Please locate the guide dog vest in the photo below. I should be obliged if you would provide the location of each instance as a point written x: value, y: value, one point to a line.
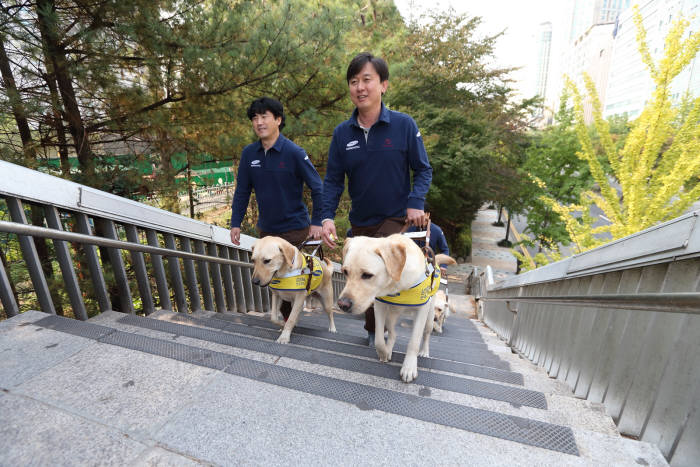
x: 298, y: 278
x: 417, y: 295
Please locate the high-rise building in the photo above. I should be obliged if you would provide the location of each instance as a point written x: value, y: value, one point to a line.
x: 588, y: 45
x: 629, y: 83
x: 582, y: 14
x: 545, y: 47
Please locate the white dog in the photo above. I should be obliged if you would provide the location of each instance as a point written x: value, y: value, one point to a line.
x: 443, y: 309
x: 280, y: 265
x: 384, y: 271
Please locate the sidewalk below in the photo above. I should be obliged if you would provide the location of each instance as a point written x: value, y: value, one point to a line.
x: 485, y: 250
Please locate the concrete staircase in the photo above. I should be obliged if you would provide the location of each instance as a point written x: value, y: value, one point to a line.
x: 173, y: 389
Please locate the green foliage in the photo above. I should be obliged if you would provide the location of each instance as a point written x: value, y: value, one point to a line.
x: 551, y: 158
x: 156, y: 80
x: 656, y: 168
x: 472, y: 131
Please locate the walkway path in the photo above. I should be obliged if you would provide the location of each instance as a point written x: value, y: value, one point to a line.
x: 485, y: 250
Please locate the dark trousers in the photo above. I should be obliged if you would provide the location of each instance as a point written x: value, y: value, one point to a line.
x: 388, y: 226
x: 296, y: 238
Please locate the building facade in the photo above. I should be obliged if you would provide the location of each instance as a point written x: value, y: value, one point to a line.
x: 629, y: 82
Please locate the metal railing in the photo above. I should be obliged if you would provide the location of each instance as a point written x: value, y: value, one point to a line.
x: 110, y: 253
x: 620, y: 325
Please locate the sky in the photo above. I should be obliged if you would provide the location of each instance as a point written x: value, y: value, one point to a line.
x: 519, y: 18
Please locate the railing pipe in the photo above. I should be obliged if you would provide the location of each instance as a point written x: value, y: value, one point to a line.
x: 36, y: 231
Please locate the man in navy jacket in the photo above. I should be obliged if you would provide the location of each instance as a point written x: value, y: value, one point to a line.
x: 276, y: 169
x: 377, y: 149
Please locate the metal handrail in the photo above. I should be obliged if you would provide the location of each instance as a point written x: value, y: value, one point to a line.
x: 687, y: 302
x: 36, y: 231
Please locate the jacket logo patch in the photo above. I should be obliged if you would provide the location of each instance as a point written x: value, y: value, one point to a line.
x: 255, y: 163
x: 355, y: 144
x: 387, y: 143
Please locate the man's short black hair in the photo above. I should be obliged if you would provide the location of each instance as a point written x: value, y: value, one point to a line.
x: 364, y: 58
x: 262, y: 105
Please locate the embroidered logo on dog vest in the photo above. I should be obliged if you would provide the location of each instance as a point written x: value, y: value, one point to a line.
x: 297, y: 279
x: 417, y: 295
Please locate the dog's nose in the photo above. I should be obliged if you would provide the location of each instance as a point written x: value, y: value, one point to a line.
x: 256, y: 280
x: 344, y: 303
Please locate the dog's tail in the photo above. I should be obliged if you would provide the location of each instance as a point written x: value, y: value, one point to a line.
x: 444, y: 259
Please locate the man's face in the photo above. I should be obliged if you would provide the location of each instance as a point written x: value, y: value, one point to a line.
x: 366, y: 88
x: 266, y: 125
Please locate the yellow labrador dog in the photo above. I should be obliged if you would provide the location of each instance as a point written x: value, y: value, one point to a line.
x: 280, y: 265
x: 377, y: 270
x: 443, y: 309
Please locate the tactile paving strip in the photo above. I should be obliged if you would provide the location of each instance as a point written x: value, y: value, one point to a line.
x: 361, y: 350
x: 508, y: 427
x: 472, y: 387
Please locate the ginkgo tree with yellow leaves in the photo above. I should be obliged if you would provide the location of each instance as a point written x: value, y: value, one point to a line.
x: 658, y: 167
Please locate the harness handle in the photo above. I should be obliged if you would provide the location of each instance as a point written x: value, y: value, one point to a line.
x: 309, y: 259
x: 318, y: 249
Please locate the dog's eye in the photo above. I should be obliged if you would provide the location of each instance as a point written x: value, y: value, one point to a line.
x: 265, y: 261
x: 366, y: 275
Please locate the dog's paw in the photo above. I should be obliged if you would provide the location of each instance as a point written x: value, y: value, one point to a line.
x: 384, y: 354
x: 424, y: 353
x: 409, y: 371
x: 331, y: 328
x: 278, y: 323
x: 283, y: 339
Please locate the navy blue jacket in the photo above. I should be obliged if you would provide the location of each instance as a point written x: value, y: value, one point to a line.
x: 278, y: 180
x: 438, y: 242
x: 379, y: 170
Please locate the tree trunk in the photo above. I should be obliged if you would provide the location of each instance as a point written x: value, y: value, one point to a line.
x: 190, y: 191
x: 46, y: 13
x: 57, y: 122
x: 17, y: 107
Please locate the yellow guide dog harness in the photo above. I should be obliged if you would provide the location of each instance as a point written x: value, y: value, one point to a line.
x: 420, y: 293
x: 298, y: 279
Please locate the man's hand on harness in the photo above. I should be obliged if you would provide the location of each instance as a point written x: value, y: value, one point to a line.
x: 315, y: 232
x: 416, y: 217
x: 328, y: 233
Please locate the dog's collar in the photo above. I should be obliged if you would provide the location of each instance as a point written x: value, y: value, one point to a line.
x: 417, y: 295
x: 296, y: 271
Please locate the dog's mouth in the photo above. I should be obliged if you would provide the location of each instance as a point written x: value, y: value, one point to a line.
x: 268, y: 282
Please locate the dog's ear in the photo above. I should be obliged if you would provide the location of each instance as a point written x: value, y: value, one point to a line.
x: 288, y: 251
x: 346, y: 246
x: 394, y: 256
